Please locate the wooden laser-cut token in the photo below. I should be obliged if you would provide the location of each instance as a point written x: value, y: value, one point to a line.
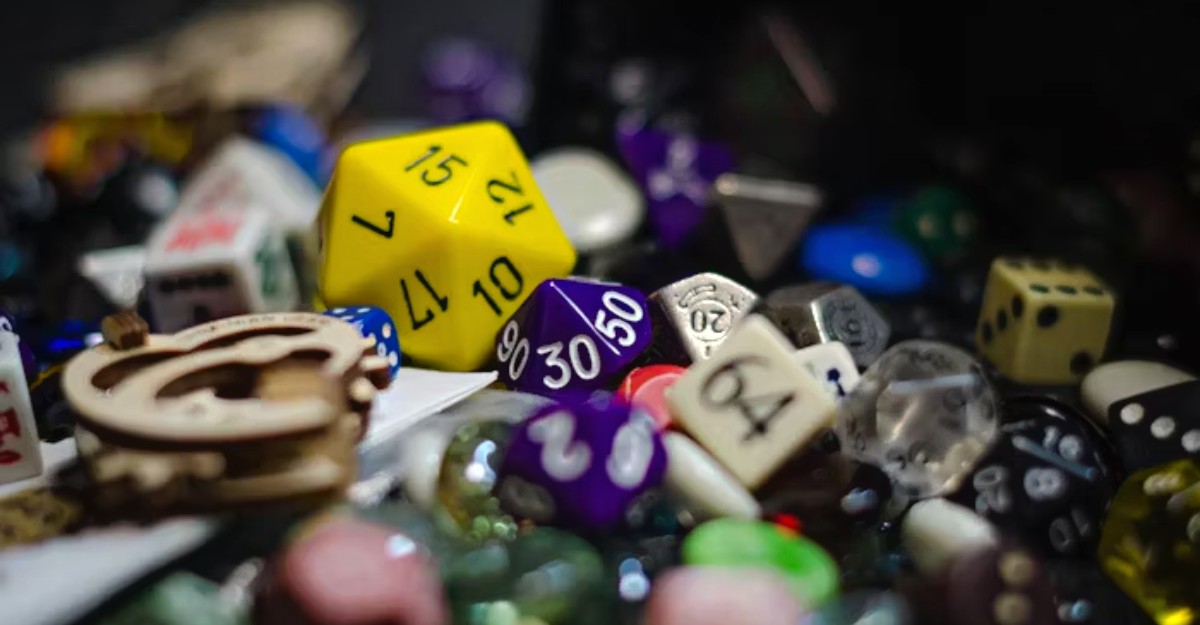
x: 190, y: 389
x: 251, y: 409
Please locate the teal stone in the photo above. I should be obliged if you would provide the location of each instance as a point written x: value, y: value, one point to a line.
x: 181, y: 599
x: 547, y: 575
x: 941, y: 220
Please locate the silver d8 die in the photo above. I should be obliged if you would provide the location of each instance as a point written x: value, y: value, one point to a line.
x: 821, y: 312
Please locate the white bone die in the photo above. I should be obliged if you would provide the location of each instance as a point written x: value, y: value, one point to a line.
x: 20, y: 452
x: 217, y: 263
x: 752, y: 405
x: 832, y: 365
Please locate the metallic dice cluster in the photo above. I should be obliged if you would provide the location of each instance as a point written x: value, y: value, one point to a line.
x: 702, y: 424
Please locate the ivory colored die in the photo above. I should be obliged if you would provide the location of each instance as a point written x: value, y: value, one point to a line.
x: 752, y: 379
x: 1043, y: 322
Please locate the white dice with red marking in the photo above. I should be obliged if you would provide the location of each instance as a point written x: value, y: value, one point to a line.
x: 215, y: 263
x: 20, y: 451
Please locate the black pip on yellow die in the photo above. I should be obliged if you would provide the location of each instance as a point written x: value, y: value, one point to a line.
x: 1043, y: 321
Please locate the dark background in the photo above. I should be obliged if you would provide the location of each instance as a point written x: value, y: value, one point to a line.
x: 1093, y: 77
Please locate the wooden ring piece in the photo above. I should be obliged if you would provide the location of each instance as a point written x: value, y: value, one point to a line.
x: 174, y: 392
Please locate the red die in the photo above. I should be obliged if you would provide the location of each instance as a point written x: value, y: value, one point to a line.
x: 644, y: 386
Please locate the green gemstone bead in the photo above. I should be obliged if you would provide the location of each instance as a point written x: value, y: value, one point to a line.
x: 547, y: 575
x: 940, y: 220
x: 812, y: 574
x: 467, y: 483
x: 419, y: 526
x: 181, y: 599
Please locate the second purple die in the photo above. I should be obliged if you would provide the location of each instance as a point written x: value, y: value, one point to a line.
x: 594, y: 458
x: 375, y: 323
x: 676, y: 172
x: 572, y: 335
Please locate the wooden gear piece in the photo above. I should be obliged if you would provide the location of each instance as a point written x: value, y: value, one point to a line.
x: 245, y: 409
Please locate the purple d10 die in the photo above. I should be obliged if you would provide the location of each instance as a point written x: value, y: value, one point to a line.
x: 467, y: 80
x: 593, y: 458
x: 573, y: 335
x: 676, y: 172
x: 374, y: 323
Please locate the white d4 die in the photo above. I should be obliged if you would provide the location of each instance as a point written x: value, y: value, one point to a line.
x: 205, y: 265
x: 751, y: 404
x: 20, y: 451
x: 241, y: 173
x: 832, y: 365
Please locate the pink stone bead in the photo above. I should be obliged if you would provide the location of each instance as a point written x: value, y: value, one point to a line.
x: 350, y: 572
x: 720, y: 596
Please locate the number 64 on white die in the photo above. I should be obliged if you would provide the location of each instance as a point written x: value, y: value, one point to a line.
x: 751, y: 404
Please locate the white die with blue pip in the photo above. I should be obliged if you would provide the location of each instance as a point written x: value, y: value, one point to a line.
x: 374, y: 323
x: 832, y: 365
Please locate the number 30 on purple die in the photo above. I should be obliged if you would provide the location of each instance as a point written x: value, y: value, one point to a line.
x: 572, y: 335
x: 594, y: 458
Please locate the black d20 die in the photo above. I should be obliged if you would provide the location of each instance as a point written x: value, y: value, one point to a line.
x: 1048, y: 479
x: 1157, y: 426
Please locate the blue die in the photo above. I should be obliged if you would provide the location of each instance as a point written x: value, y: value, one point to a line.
x: 377, y: 324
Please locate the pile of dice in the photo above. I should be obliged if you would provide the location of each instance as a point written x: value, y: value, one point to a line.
x: 742, y: 411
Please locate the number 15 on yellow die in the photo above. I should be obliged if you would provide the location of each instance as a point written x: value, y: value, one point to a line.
x: 444, y: 229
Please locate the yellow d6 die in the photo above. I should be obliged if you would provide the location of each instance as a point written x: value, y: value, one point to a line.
x: 1043, y: 322
x: 446, y: 231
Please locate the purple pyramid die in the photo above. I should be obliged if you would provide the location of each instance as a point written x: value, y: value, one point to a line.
x: 675, y: 171
x: 572, y: 335
x: 593, y: 456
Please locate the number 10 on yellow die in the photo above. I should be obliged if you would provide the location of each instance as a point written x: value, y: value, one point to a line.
x: 444, y: 229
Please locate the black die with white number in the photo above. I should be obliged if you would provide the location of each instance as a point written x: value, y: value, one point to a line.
x: 1048, y: 479
x: 1157, y: 426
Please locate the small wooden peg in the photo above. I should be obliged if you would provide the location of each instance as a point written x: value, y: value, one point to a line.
x: 124, y: 330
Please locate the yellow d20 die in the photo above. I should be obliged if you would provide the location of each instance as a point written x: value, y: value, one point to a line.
x: 446, y: 231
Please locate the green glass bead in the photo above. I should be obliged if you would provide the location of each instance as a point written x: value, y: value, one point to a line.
x: 417, y: 525
x: 1150, y: 542
x: 181, y: 599
x: 940, y: 220
x: 811, y: 572
x: 548, y: 575
x: 467, y: 481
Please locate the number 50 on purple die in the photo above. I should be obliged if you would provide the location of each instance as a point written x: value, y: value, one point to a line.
x: 572, y: 335
x: 594, y: 458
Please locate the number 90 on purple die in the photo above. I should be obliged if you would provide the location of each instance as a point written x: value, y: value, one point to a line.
x: 572, y: 335
x: 594, y: 458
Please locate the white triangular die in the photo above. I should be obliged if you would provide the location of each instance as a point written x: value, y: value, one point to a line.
x: 241, y: 172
